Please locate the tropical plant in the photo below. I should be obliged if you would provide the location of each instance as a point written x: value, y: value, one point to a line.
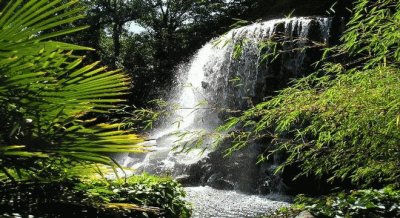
x: 49, y: 104
x: 342, y: 121
x: 360, y: 203
x: 137, y: 196
x: 161, y: 192
x: 373, y: 33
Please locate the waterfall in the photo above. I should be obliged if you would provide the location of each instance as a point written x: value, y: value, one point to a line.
x: 229, y: 73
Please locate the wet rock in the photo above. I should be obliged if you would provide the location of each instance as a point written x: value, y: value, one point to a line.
x: 204, y: 85
x: 305, y: 214
x: 184, y: 179
x: 217, y: 181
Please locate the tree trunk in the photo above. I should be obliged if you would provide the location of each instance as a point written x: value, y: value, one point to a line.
x: 117, y: 30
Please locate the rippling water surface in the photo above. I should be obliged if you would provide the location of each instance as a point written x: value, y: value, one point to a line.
x: 209, y: 202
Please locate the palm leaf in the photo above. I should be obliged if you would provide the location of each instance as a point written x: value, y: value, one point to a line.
x: 44, y: 90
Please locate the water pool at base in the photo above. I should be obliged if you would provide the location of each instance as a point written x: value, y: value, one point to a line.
x: 212, y: 203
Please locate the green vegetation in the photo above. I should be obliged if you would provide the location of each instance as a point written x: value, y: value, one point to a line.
x: 53, y: 140
x: 361, y: 203
x: 342, y: 121
x: 46, y: 96
x: 143, y: 190
x: 138, y: 196
x: 346, y: 127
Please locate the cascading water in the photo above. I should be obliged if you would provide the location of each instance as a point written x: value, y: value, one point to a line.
x: 229, y: 73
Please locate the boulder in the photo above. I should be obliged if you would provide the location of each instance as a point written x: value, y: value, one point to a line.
x: 305, y: 214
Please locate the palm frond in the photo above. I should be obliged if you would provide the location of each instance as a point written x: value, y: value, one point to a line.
x: 45, y: 93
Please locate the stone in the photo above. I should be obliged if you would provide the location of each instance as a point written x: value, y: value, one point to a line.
x: 305, y: 214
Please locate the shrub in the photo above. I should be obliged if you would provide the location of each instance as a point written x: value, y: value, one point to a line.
x: 361, y: 203
x: 137, y: 196
x: 145, y: 190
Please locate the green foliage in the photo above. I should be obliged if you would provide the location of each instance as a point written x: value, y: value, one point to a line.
x: 46, y: 96
x: 287, y: 212
x: 138, y: 196
x: 145, y: 118
x: 331, y: 126
x: 373, y: 32
x: 340, y: 121
x: 361, y: 203
x: 143, y: 190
